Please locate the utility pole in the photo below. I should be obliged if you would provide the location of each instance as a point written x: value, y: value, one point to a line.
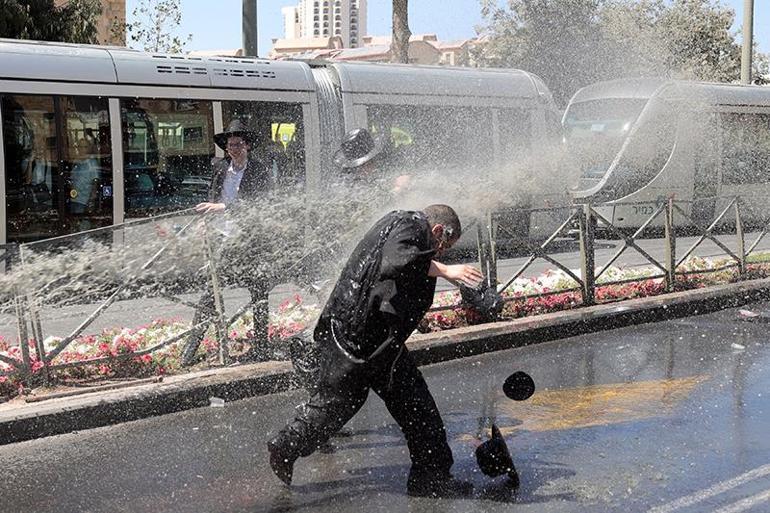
x: 748, y: 41
x: 249, y: 28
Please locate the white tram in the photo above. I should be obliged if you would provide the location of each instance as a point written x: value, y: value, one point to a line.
x: 93, y: 136
x: 641, y: 140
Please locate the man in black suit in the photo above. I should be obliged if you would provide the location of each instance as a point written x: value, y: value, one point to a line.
x: 237, y: 179
x: 381, y: 295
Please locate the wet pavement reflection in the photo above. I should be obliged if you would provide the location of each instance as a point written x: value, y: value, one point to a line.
x: 626, y: 420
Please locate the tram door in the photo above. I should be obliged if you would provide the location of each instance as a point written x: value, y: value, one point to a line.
x: 706, y: 173
x: 58, y: 168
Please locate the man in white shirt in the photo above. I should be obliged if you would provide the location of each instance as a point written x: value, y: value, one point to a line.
x: 237, y: 180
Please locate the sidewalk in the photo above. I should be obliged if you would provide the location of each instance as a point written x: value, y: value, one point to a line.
x: 56, y: 415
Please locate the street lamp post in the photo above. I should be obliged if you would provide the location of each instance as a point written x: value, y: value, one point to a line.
x: 249, y: 28
x: 748, y: 40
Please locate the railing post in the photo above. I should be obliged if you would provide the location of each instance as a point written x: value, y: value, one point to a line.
x: 21, y: 318
x: 21, y: 325
x: 36, y: 325
x: 492, y: 251
x: 670, y: 246
x: 485, y: 240
x: 741, y: 240
x: 219, y: 324
x: 482, y: 249
x: 587, y: 257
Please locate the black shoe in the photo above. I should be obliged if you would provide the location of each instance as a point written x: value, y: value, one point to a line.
x: 427, y: 485
x: 282, y: 464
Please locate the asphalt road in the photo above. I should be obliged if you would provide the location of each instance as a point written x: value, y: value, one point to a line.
x: 658, y: 418
x: 61, y: 321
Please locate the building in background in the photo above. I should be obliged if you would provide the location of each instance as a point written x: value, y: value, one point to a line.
x: 322, y: 19
x: 423, y: 49
x: 111, y: 26
x: 288, y: 48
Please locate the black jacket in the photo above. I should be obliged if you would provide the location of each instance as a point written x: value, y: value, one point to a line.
x: 384, y: 290
x: 257, y: 180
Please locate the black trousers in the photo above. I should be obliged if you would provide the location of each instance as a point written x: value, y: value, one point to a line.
x: 343, y: 387
x: 206, y: 310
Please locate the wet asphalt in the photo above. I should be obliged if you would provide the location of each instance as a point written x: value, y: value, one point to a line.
x: 662, y: 417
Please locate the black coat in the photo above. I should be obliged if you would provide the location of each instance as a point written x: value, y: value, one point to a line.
x: 257, y: 180
x: 384, y: 290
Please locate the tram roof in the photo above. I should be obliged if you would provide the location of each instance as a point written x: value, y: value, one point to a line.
x: 61, y: 62
x: 407, y: 79
x: 646, y: 88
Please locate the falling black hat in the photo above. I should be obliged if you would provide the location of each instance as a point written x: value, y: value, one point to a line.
x: 494, y: 459
x: 484, y: 299
x: 357, y: 148
x: 236, y: 128
x: 519, y: 386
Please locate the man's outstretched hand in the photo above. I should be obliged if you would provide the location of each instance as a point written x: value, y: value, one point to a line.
x: 207, y: 207
x: 458, y: 273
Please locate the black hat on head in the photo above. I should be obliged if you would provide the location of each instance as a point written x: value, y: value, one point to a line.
x: 494, y: 459
x: 357, y: 148
x: 236, y: 128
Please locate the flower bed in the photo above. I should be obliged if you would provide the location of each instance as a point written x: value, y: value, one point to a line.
x: 549, y: 292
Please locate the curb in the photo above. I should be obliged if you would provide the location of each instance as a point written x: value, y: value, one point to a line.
x: 193, y: 390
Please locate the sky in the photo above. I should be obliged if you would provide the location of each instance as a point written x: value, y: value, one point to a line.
x: 216, y: 24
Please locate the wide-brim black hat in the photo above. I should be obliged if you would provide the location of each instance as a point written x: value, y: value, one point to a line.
x: 486, y: 300
x: 494, y: 458
x: 236, y: 128
x: 358, y: 147
x: 519, y: 386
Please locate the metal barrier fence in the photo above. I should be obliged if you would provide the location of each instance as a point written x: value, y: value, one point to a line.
x: 27, y: 304
x: 588, y: 220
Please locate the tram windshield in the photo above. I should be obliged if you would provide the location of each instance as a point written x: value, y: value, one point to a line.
x: 594, y: 132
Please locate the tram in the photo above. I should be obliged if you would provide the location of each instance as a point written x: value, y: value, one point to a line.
x: 637, y: 141
x: 93, y: 136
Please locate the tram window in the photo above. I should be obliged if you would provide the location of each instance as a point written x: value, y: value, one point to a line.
x: 745, y: 148
x: 168, y: 145
x: 58, y: 165
x: 434, y: 138
x: 280, y: 133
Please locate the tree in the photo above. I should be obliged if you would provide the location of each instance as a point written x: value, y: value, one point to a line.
x: 73, y: 22
x: 154, y: 24
x: 399, y: 45
x: 571, y: 43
